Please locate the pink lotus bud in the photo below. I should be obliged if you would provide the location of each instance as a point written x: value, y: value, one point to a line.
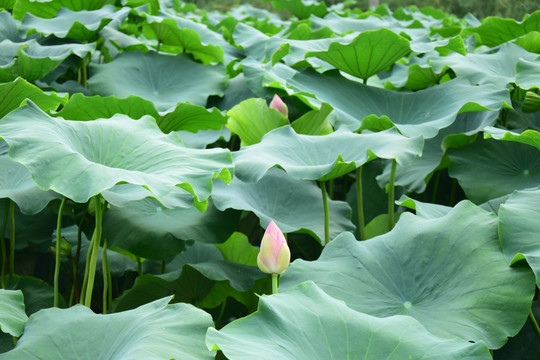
x: 279, y: 105
x: 274, y: 255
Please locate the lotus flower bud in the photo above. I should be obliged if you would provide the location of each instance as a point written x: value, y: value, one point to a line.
x: 279, y: 105
x: 274, y: 255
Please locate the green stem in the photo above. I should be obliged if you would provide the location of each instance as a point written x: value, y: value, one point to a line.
x: 275, y: 283
x: 534, y: 323
x: 12, y: 238
x: 84, y: 72
x: 326, y: 214
x: 139, y: 266
x: 94, y: 245
x: 436, y: 188
x: 360, y: 204
x: 106, y: 277
x: 58, y: 248
x: 391, y: 195
x: 3, y: 242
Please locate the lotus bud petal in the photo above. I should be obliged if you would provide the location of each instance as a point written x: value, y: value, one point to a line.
x: 274, y: 255
x: 279, y: 105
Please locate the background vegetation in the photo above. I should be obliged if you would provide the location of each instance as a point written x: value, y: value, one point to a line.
x: 479, y: 8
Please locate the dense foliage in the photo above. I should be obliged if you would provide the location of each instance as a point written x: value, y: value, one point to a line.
x: 141, y: 162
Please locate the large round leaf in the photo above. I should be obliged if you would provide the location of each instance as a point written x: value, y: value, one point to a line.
x: 488, y: 169
x: 12, y: 315
x: 33, y: 61
x: 369, y: 53
x: 164, y: 80
x: 12, y: 95
x: 81, y: 25
x: 305, y: 323
x: 492, y: 68
x: 519, y: 228
x: 81, y: 159
x: 294, y: 205
x: 149, y: 230
x: 312, y: 157
x: 17, y: 185
x: 423, y: 112
x: 152, y: 331
x: 446, y: 272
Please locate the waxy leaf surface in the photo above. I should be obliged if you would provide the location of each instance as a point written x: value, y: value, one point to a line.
x: 152, y: 331
x: 306, y: 323
x: 311, y: 157
x: 80, y: 159
x: 413, y: 270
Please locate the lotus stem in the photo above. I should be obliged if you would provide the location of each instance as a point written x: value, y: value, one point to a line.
x: 326, y: 213
x: 94, y: 246
x: 360, y: 204
x: 534, y: 323
x: 58, y: 247
x: 391, y: 195
x: 12, y: 238
x: 3, y: 242
x: 275, y: 283
x: 107, y: 288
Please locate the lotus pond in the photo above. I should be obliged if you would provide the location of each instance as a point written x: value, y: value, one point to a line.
x: 146, y: 146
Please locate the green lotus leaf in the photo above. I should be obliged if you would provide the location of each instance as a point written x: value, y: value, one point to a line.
x: 455, y: 283
x: 48, y: 9
x: 80, y: 107
x: 152, y: 331
x: 422, y: 209
x: 167, y: 32
x: 523, y: 346
x: 413, y: 271
x: 81, y: 25
x: 489, y: 169
x: 192, y: 118
x: 302, y: 9
x: 165, y: 80
x: 185, y: 116
x: 9, y: 27
x: 491, y: 68
x: 415, y: 175
x: 80, y: 159
x: 239, y: 250
x: 314, y: 122
x: 494, y: 30
x: 530, y: 42
x: 203, y: 138
x: 306, y: 323
x: 252, y: 118
x: 209, y: 38
x: 12, y: 315
x: 37, y: 293
x: 529, y: 137
x: 16, y: 184
x: 423, y: 112
x: 191, y: 276
x: 527, y: 74
x: 367, y: 54
x: 311, y: 157
x: 33, y: 61
x: 12, y: 95
x: 299, y: 208
x: 151, y: 231
x: 519, y: 230
x: 531, y: 103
